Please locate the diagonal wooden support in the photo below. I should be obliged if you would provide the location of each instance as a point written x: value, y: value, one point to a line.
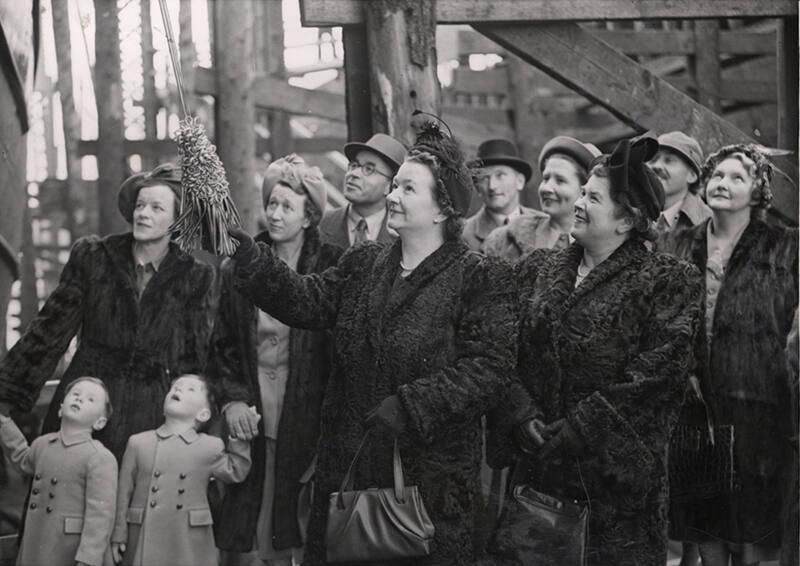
x: 345, y: 12
x: 633, y: 94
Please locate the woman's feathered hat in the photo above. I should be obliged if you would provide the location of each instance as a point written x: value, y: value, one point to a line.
x: 630, y: 174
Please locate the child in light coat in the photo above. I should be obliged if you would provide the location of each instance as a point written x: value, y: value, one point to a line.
x: 74, y: 486
x: 163, y: 515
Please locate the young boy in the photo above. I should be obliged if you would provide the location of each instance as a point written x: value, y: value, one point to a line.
x: 162, y: 510
x: 73, y: 493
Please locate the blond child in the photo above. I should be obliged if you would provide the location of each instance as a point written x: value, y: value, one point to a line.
x: 73, y: 491
x: 163, y: 515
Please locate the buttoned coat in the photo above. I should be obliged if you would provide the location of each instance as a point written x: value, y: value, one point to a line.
x: 135, y: 345
x: 72, y: 497
x: 478, y: 227
x: 235, y: 367
x: 163, y: 515
x: 333, y: 228
x: 611, y: 357
x: 443, y: 340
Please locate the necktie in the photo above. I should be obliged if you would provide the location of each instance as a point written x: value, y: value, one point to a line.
x: 361, y: 231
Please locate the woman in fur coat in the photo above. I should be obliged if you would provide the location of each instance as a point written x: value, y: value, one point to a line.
x: 281, y: 371
x: 139, y: 306
x: 751, y: 278
x: 424, y: 342
x: 606, y: 336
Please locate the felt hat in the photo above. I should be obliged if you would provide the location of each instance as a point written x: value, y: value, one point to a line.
x: 685, y: 146
x: 583, y: 153
x: 167, y: 174
x: 629, y: 173
x: 388, y: 148
x: 293, y: 171
x: 502, y: 152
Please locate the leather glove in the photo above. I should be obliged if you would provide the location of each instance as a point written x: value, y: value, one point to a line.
x: 389, y: 415
x: 247, y: 249
x: 528, y: 435
x: 562, y: 437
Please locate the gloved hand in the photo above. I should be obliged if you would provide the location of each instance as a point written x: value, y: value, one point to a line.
x: 242, y: 420
x: 560, y: 436
x: 247, y: 250
x: 528, y: 435
x: 389, y: 415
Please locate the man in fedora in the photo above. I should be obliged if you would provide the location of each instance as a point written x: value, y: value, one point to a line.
x: 677, y: 164
x: 501, y: 180
x: 367, y: 182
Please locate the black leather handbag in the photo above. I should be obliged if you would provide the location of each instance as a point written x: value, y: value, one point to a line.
x: 378, y: 523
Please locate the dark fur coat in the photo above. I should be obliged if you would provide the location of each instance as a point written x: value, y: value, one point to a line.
x: 443, y: 340
x: 134, y: 345
x: 745, y: 378
x: 234, y: 362
x: 611, y: 356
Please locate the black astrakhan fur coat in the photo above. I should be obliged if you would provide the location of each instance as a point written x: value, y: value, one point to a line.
x: 136, y: 346
x: 234, y: 365
x: 611, y: 356
x: 443, y: 340
x: 745, y: 378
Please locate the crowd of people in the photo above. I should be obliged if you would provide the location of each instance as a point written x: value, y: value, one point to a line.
x: 563, y: 345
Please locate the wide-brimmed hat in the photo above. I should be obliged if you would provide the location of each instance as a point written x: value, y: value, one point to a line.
x: 388, y: 148
x: 583, y: 153
x: 502, y: 152
x: 167, y: 174
x: 630, y: 174
x: 293, y: 171
x: 685, y: 146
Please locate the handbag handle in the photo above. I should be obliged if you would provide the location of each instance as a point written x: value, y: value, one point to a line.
x: 397, y: 472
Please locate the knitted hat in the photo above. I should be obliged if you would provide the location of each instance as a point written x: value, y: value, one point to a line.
x: 167, y: 174
x: 293, y: 172
x: 453, y: 174
x: 630, y: 174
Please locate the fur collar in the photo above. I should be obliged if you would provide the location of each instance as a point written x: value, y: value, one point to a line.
x: 309, y: 253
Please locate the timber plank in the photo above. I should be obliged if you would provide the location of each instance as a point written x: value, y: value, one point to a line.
x: 323, y: 13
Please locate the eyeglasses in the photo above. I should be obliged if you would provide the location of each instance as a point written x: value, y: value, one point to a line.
x: 366, y: 168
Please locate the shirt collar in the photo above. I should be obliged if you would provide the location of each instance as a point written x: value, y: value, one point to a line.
x: 73, y: 439
x: 189, y: 435
x: 671, y: 213
x: 374, y: 221
x: 500, y: 219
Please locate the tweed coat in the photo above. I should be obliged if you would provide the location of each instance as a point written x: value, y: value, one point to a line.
x: 611, y: 356
x: 478, y: 226
x: 744, y: 375
x: 72, y: 497
x: 235, y: 364
x: 163, y: 515
x: 134, y: 345
x: 443, y: 340
x: 333, y: 228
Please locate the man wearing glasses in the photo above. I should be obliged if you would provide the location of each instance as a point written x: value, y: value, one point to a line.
x: 367, y: 182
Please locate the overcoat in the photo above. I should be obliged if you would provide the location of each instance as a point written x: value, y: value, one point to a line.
x: 235, y: 364
x: 744, y: 375
x: 163, y: 515
x: 72, y: 497
x: 443, y: 340
x: 135, y: 345
x: 611, y: 357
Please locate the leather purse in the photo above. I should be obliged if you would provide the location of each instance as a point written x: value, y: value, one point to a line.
x: 378, y: 523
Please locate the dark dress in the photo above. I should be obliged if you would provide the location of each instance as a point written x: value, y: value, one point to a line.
x: 745, y: 380
x: 611, y: 356
x: 136, y: 346
x: 234, y: 363
x: 444, y: 342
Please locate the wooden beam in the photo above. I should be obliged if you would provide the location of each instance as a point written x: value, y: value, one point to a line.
x: 639, y: 99
x: 166, y: 148
x: 319, y: 13
x: 682, y: 42
x: 787, y: 73
x: 356, y: 83
x: 707, y: 70
x: 749, y: 91
x: 275, y: 93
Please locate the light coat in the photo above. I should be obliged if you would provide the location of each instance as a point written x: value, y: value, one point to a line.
x: 163, y: 515
x: 72, y: 497
x: 478, y: 227
x: 524, y: 234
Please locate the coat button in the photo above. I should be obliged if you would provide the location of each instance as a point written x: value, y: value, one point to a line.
x: 180, y: 491
x: 54, y: 481
x: 49, y: 509
x: 35, y: 491
x: 37, y: 477
x: 52, y: 495
x: 154, y: 488
x: 179, y: 506
x: 182, y: 476
x: 33, y: 505
x: 157, y: 474
x: 153, y: 503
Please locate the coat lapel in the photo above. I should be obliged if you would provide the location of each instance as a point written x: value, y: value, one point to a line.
x: 120, y: 250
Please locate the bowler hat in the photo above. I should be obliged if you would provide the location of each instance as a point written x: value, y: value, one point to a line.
x: 686, y: 146
x: 583, y: 153
x: 502, y: 152
x: 388, y: 148
x: 293, y: 171
x: 167, y: 174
